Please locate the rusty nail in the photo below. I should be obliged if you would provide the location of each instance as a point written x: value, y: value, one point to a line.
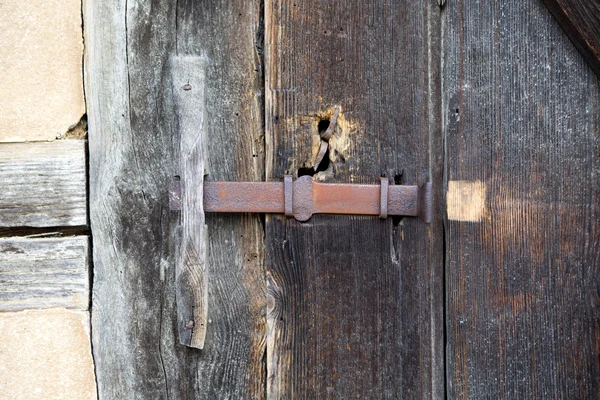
x: 329, y: 132
x: 321, y: 154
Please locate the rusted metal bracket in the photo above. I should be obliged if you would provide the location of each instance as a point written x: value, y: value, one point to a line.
x: 305, y: 197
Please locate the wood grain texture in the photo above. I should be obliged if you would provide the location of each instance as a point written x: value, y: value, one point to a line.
x: 43, y: 184
x: 580, y: 19
x: 134, y: 153
x: 355, y: 303
x: 230, y: 35
x: 190, y: 266
x: 41, y: 273
x: 521, y: 122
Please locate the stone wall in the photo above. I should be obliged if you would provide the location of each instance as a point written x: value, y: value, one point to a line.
x: 45, y: 350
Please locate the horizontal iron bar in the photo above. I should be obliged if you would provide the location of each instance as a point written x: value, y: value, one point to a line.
x: 310, y: 197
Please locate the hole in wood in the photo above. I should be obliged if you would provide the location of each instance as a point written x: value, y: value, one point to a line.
x: 323, y: 125
x: 306, y: 171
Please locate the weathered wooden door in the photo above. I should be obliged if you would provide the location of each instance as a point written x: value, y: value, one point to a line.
x: 498, y: 297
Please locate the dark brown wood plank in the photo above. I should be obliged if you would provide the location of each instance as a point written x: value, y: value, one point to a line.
x: 355, y: 303
x: 522, y: 116
x: 133, y: 157
x: 580, y: 19
x: 41, y: 273
x: 43, y: 184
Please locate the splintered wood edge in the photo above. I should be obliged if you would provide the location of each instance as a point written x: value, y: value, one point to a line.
x: 190, y: 269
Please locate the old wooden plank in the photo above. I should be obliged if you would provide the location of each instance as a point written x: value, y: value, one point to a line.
x: 43, y: 184
x: 134, y: 153
x: 230, y: 34
x: 580, y: 19
x: 131, y: 162
x: 44, y: 273
x: 522, y: 116
x: 190, y: 267
x: 355, y: 303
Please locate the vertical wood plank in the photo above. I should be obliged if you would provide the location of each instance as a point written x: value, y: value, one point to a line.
x: 355, y: 303
x: 230, y: 35
x: 190, y: 267
x: 521, y: 121
x: 134, y: 153
x: 131, y: 163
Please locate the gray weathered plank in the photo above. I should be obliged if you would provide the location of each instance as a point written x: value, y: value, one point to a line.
x: 134, y: 155
x: 44, y: 272
x: 43, y: 184
x: 131, y: 153
x: 355, y: 303
x: 190, y: 268
x: 522, y: 116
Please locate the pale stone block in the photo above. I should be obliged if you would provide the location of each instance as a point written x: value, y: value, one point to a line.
x: 41, y: 83
x: 46, y: 354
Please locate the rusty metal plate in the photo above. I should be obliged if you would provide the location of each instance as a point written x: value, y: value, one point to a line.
x: 309, y: 197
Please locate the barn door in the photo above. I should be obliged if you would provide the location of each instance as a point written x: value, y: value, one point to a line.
x: 496, y: 297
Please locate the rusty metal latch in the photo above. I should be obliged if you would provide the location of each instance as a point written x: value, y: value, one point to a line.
x: 304, y: 197
x: 301, y: 199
